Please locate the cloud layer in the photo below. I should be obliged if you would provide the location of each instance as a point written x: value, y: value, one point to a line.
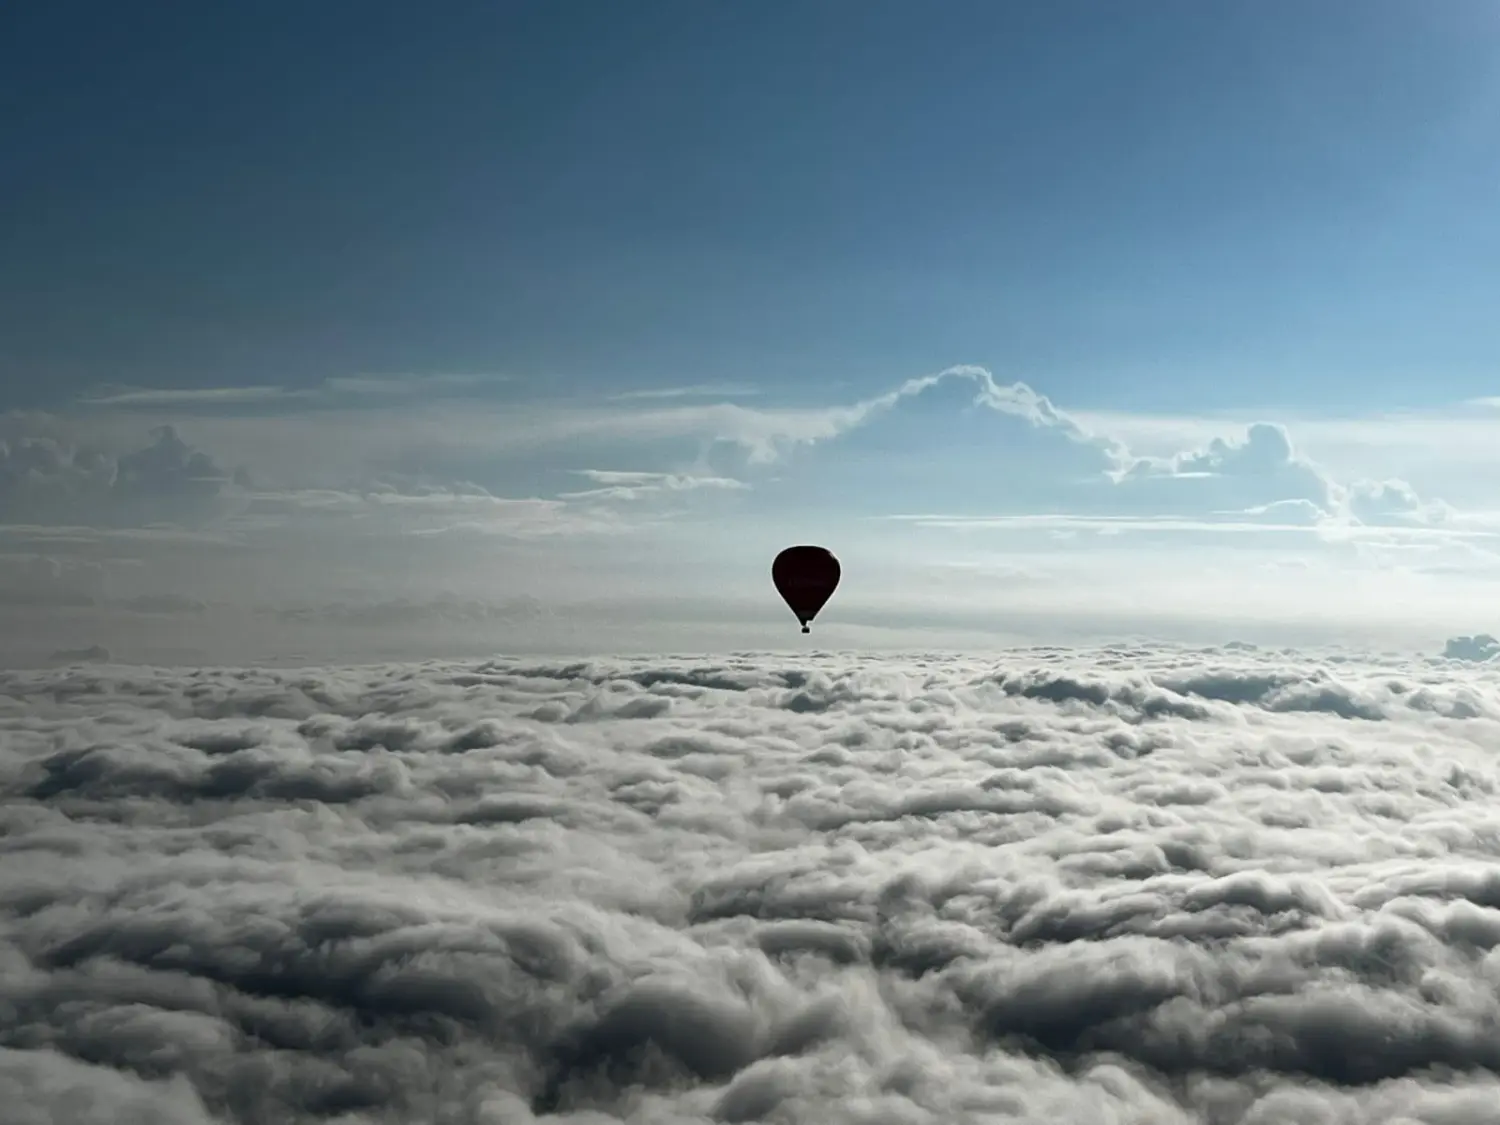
x: 44, y: 481
x: 156, y: 522
x: 456, y: 439
x: 1153, y: 886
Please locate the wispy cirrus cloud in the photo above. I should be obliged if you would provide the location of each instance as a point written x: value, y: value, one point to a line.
x: 1213, y: 523
x: 338, y: 390
x: 697, y: 390
x: 207, y: 397
x: 619, y: 485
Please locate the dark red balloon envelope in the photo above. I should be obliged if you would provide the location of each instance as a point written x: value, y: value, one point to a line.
x: 806, y: 578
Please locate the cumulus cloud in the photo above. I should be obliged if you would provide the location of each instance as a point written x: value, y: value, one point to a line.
x: 1014, y: 400
x: 408, y: 436
x: 1386, y: 501
x: 1254, y: 471
x: 1258, y: 475
x: 43, y: 480
x: 764, y: 435
x: 46, y: 482
x: 1479, y: 648
x: 1263, y: 475
x: 1299, y: 512
x: 393, y: 490
x: 1265, y: 449
x: 1131, y: 884
x: 42, y: 580
x: 56, y: 472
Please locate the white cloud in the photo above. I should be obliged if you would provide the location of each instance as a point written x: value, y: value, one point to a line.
x: 1383, y: 501
x: 1264, y: 472
x: 620, y: 485
x: 1297, y: 517
x: 414, y: 384
x: 698, y: 390
x: 447, y: 441
x: 45, y: 481
x: 663, y: 510
x: 1300, y: 512
x: 345, y: 389
x: 1479, y: 648
x: 1255, y: 470
x: 42, y: 580
x: 190, y: 396
x: 1449, y: 452
x: 1266, y: 449
x: 438, y: 430
x: 1126, y: 884
x: 1016, y: 400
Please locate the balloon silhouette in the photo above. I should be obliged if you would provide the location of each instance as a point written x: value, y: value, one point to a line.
x: 806, y: 578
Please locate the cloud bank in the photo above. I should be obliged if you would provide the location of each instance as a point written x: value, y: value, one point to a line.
x: 153, y: 521
x: 1157, y: 886
x: 1479, y: 648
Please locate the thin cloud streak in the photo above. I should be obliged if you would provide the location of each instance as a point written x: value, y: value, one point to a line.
x: 1124, y: 524
x: 333, y: 389
x: 194, y: 396
x: 698, y: 390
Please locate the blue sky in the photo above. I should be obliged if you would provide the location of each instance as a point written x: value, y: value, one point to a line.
x: 600, y: 304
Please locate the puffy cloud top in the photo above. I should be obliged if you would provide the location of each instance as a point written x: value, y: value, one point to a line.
x: 44, y: 481
x: 1478, y: 648
x: 1154, y: 886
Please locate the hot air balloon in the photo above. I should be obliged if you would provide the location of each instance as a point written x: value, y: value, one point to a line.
x: 806, y: 578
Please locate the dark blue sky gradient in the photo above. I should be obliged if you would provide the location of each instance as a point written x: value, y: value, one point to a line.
x: 1156, y: 205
